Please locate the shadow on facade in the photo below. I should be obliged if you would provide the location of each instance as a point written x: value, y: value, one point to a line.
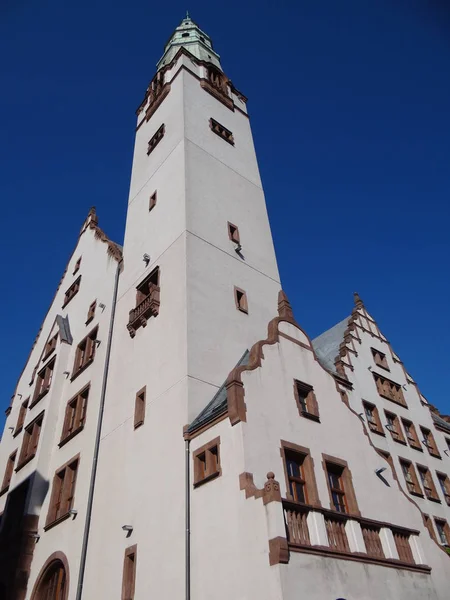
x: 18, y: 530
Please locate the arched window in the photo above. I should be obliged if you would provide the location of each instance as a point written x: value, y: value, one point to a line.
x: 53, y: 581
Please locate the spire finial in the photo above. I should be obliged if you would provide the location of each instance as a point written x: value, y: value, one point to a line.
x: 358, y: 302
x: 187, y: 15
x: 284, y: 306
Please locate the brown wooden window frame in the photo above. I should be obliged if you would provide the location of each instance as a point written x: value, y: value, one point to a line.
x: 72, y: 291
x: 43, y: 382
x: 373, y: 418
x: 221, y: 131
x: 390, y: 390
x: 379, y: 359
x: 139, y: 407
x: 233, y: 233
x: 240, y: 299
x: 345, y: 491
x: 444, y: 484
x: 75, y: 415
x: 413, y: 438
x: 30, y: 441
x: 443, y: 531
x: 410, y: 475
x: 21, y: 416
x: 85, y: 353
x: 50, y: 346
x: 129, y: 573
x: 91, y: 312
x: 63, y: 492
x: 306, y: 400
x: 207, y: 464
x: 152, y: 201
x: 9, y: 472
x: 394, y: 427
x: 429, y: 525
x: 430, y: 444
x: 156, y: 138
x: 77, y: 266
x: 372, y: 541
x: 403, y: 546
x: 306, y: 462
x: 427, y: 483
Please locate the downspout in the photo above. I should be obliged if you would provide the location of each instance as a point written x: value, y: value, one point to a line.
x: 90, y: 501
x: 188, y: 525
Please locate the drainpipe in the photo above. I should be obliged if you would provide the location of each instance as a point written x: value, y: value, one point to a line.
x: 90, y: 501
x: 188, y: 525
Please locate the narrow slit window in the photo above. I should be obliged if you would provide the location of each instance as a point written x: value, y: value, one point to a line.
x: 77, y: 266
x: 152, y: 201
x: 154, y: 141
x: 241, y: 300
x: 221, y: 131
x: 139, y: 408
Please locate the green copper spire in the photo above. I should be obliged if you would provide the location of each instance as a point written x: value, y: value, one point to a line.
x: 189, y: 35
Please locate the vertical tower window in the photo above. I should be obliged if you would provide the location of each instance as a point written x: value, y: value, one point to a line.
x: 296, y: 476
x: 240, y: 298
x: 63, y: 491
x: 340, y: 485
x: 75, y: 416
x: 43, y: 382
x: 152, y: 201
x: 21, y: 417
x: 8, y: 472
x: 139, y: 408
x: 30, y: 441
x: 335, y: 483
x: 91, y: 312
x: 77, y: 266
x: 129, y: 573
x: 85, y: 352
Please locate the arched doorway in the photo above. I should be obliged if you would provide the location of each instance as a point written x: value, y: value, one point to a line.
x: 53, y: 580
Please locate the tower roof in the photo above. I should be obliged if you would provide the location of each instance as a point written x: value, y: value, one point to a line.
x: 189, y: 35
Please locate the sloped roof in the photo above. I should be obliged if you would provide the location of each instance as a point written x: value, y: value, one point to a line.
x: 218, y: 404
x: 440, y: 422
x: 326, y: 345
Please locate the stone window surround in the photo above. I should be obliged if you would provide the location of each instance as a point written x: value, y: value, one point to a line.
x: 66, y: 486
x: 312, y: 493
x: 152, y: 201
x: 9, y: 472
x: 81, y: 361
x: 31, y: 436
x: 199, y: 478
x: 233, y: 233
x: 311, y: 403
x: 72, y: 291
x: 221, y: 131
x: 241, y: 301
x: 43, y: 383
x: 78, y: 398
x: 350, y: 496
x: 376, y: 426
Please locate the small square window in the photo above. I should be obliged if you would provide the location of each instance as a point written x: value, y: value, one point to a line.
x: 152, y: 201
x: 240, y: 298
x: 233, y: 233
x: 207, y: 462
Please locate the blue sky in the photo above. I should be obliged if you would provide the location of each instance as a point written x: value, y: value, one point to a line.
x: 349, y: 105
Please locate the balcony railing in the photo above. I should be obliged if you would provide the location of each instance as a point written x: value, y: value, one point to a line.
x: 297, y: 520
x: 148, y: 307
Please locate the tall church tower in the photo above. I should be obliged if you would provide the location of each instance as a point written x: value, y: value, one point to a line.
x: 199, y: 285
